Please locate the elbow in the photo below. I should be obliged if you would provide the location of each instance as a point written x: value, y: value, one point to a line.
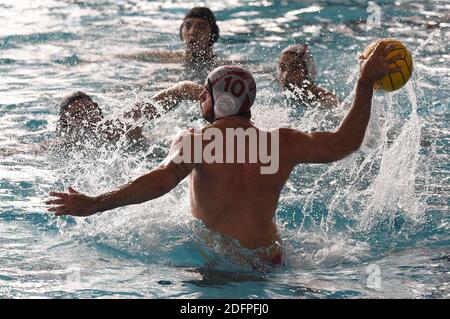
x: 156, y: 191
x: 166, y: 182
x: 355, y: 146
x: 345, y: 147
x: 350, y: 149
x: 162, y: 190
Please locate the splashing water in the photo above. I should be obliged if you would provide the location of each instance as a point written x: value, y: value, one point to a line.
x: 385, y: 205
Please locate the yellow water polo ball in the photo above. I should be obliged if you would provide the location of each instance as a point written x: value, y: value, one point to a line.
x: 394, y: 80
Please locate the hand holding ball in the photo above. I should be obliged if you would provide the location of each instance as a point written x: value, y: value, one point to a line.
x: 393, y: 80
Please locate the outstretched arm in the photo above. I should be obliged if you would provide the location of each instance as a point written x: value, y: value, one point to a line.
x: 168, y: 98
x: 324, y: 147
x: 160, y: 56
x: 152, y: 185
x: 185, y: 90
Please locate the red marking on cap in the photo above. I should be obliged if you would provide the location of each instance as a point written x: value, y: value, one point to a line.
x: 245, y: 106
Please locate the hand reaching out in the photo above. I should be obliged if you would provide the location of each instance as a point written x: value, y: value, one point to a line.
x: 72, y: 203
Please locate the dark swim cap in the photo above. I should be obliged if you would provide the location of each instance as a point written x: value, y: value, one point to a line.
x: 72, y: 98
x: 302, y: 51
x: 67, y: 102
x: 207, y: 15
x: 232, y: 89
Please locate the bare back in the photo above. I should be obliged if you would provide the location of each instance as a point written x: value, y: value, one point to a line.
x: 236, y: 199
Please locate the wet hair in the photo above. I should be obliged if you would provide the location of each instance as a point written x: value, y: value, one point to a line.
x: 207, y: 15
x: 66, y: 103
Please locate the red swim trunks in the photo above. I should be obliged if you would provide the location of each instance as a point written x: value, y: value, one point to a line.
x: 278, y: 259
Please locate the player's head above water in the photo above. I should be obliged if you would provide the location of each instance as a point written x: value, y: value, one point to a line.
x: 78, y: 111
x: 229, y: 90
x: 199, y: 30
x: 296, y: 66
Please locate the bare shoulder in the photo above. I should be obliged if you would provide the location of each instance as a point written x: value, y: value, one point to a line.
x: 286, y: 138
x: 295, y: 145
x: 182, y: 135
x: 287, y: 135
x: 178, y: 160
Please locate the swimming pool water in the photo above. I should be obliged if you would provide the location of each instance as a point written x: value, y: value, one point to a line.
x: 375, y: 224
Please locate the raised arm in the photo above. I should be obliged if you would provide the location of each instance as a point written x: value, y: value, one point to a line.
x: 326, y: 99
x: 154, y: 184
x: 324, y: 147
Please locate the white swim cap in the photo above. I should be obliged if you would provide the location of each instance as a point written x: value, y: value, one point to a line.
x: 233, y: 91
x: 302, y: 50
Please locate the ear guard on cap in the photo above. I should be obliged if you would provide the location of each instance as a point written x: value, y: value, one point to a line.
x: 233, y: 90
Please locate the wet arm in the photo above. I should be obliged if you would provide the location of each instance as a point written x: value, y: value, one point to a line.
x: 152, y: 185
x: 156, y: 183
x: 161, y: 56
x: 168, y: 99
x: 326, y: 98
x: 324, y: 147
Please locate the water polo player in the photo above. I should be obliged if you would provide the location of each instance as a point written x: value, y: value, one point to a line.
x: 81, y: 120
x: 199, y: 32
x: 236, y: 199
x: 296, y: 72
